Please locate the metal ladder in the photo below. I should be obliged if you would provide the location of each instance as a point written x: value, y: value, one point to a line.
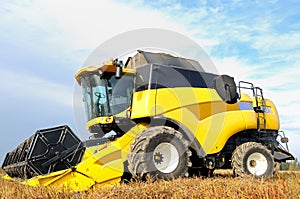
x: 260, y: 109
x: 260, y: 103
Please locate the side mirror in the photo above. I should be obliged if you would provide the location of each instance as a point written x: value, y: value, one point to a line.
x: 119, y: 66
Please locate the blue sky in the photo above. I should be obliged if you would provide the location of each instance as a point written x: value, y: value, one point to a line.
x: 44, y: 43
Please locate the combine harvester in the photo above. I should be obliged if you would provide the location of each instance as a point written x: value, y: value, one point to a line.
x: 158, y: 116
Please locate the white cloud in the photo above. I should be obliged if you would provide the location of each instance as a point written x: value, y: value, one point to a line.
x: 65, y: 26
x: 86, y: 24
x: 267, y: 43
x: 234, y: 66
x: 29, y: 87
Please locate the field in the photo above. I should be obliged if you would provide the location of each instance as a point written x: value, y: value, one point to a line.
x: 222, y: 185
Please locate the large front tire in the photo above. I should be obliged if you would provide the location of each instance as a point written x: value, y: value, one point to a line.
x: 254, y: 159
x: 159, y: 153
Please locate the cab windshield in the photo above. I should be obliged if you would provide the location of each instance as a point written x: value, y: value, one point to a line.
x: 104, y: 95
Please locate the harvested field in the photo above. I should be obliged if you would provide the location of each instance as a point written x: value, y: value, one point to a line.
x: 222, y: 185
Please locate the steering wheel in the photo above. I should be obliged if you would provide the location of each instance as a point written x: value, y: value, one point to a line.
x: 100, y: 95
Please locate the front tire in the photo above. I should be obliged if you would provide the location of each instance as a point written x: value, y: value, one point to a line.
x: 254, y: 159
x: 159, y: 153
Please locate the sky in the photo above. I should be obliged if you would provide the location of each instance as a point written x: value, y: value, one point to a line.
x: 44, y: 43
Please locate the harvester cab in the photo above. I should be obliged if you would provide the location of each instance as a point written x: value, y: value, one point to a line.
x: 107, y: 98
x: 156, y: 116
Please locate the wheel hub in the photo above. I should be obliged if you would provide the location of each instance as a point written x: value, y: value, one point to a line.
x: 252, y: 163
x: 257, y: 164
x: 165, y: 157
x: 158, y: 158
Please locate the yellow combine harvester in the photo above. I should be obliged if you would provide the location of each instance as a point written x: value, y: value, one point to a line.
x: 158, y: 116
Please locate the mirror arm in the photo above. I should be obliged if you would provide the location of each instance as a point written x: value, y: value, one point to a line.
x: 119, y: 67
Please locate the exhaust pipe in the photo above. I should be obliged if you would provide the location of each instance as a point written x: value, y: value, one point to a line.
x: 48, y: 150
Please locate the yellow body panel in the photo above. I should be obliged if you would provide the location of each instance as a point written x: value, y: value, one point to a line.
x: 170, y: 99
x: 213, y: 132
x: 143, y: 104
x: 202, y: 102
x: 150, y: 103
x: 245, y: 98
x: 271, y: 116
x: 100, y: 120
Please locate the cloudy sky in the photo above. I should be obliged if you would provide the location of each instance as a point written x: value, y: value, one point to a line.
x: 44, y: 43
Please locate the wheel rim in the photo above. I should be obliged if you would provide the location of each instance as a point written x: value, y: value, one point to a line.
x: 257, y: 164
x: 165, y: 157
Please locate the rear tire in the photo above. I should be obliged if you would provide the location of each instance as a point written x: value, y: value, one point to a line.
x: 254, y: 159
x: 159, y: 153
